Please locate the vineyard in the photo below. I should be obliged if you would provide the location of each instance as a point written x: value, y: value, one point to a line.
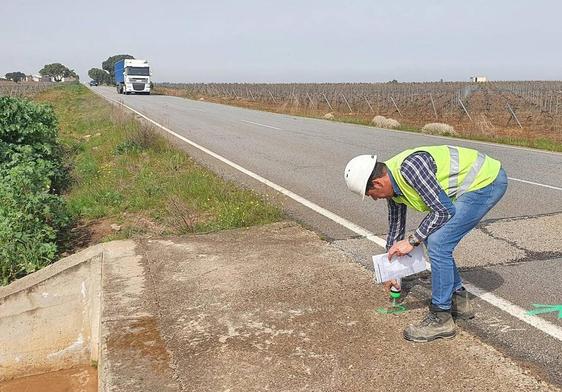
x: 23, y: 89
x: 530, y: 110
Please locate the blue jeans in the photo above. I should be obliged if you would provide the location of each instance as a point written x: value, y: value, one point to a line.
x: 470, y: 208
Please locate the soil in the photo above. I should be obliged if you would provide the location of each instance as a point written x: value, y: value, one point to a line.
x: 131, y: 225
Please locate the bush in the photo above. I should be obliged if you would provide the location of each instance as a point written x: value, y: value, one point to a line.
x: 31, y: 213
x: 383, y: 122
x: 439, y: 129
x: 29, y: 128
x: 126, y: 147
x: 25, y: 124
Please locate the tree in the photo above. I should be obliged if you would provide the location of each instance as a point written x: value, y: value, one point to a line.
x: 99, y: 75
x: 109, y: 64
x: 57, y: 71
x: 15, y: 76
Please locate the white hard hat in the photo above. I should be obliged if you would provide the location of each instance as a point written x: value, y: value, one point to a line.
x: 358, y: 171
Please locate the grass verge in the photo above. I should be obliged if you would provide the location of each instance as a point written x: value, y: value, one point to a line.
x: 127, y: 181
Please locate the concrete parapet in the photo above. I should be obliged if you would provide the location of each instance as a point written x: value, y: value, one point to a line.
x: 50, y: 320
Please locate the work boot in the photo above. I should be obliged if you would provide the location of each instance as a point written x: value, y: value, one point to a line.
x: 461, y: 307
x: 437, y: 324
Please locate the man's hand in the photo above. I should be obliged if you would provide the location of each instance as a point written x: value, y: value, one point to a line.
x: 391, y: 283
x: 399, y: 248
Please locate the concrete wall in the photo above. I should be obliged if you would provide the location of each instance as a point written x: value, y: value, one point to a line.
x: 50, y: 320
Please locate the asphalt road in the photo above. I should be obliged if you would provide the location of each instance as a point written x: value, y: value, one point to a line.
x: 515, y: 253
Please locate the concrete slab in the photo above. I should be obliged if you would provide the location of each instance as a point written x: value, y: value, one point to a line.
x: 132, y: 355
x: 276, y: 308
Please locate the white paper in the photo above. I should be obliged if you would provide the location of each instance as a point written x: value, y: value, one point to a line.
x: 399, y: 267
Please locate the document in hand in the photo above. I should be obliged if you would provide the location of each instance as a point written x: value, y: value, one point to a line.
x: 399, y: 267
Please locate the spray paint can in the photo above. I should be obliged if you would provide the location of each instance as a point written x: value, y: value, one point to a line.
x: 395, y: 307
x: 395, y: 293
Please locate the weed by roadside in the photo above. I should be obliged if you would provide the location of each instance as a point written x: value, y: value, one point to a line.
x: 32, y: 213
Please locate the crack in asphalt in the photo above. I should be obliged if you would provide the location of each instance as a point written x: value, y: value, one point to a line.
x: 515, y: 218
x: 513, y: 263
x: 530, y: 255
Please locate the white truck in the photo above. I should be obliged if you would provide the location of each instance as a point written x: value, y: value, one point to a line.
x: 132, y: 76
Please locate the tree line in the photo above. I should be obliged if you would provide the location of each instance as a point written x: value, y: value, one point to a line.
x: 56, y: 71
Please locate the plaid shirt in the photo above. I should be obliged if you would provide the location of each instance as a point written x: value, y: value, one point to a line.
x: 419, y: 171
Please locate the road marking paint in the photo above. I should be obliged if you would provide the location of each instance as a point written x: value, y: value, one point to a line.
x: 540, y: 309
x: 536, y: 183
x: 516, y: 311
x: 500, y: 325
x: 261, y: 125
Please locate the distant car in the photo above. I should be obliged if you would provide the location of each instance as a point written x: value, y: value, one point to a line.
x: 93, y: 83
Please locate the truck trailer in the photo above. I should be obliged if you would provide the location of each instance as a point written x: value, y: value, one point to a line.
x: 132, y: 76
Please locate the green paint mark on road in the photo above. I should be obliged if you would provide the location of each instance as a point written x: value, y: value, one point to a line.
x: 393, y: 309
x: 540, y: 309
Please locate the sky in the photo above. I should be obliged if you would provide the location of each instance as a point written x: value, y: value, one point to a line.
x: 290, y: 40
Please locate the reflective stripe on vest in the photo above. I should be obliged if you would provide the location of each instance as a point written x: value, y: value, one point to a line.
x: 458, y: 170
x: 471, y: 176
x: 456, y: 191
x: 454, y: 170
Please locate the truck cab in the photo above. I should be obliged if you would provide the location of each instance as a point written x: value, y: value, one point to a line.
x: 132, y: 76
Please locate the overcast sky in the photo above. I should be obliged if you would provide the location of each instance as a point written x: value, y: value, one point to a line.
x: 290, y: 40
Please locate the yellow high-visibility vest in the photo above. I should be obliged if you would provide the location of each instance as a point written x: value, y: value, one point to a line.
x: 459, y: 170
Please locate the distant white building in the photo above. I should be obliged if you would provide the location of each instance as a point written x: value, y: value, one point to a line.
x: 478, y: 79
x: 38, y: 78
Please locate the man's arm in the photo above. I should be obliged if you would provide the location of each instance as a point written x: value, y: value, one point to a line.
x: 396, y: 222
x: 419, y: 171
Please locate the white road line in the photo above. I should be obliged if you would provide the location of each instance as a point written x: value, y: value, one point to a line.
x: 536, y: 183
x: 261, y: 125
x: 516, y: 311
